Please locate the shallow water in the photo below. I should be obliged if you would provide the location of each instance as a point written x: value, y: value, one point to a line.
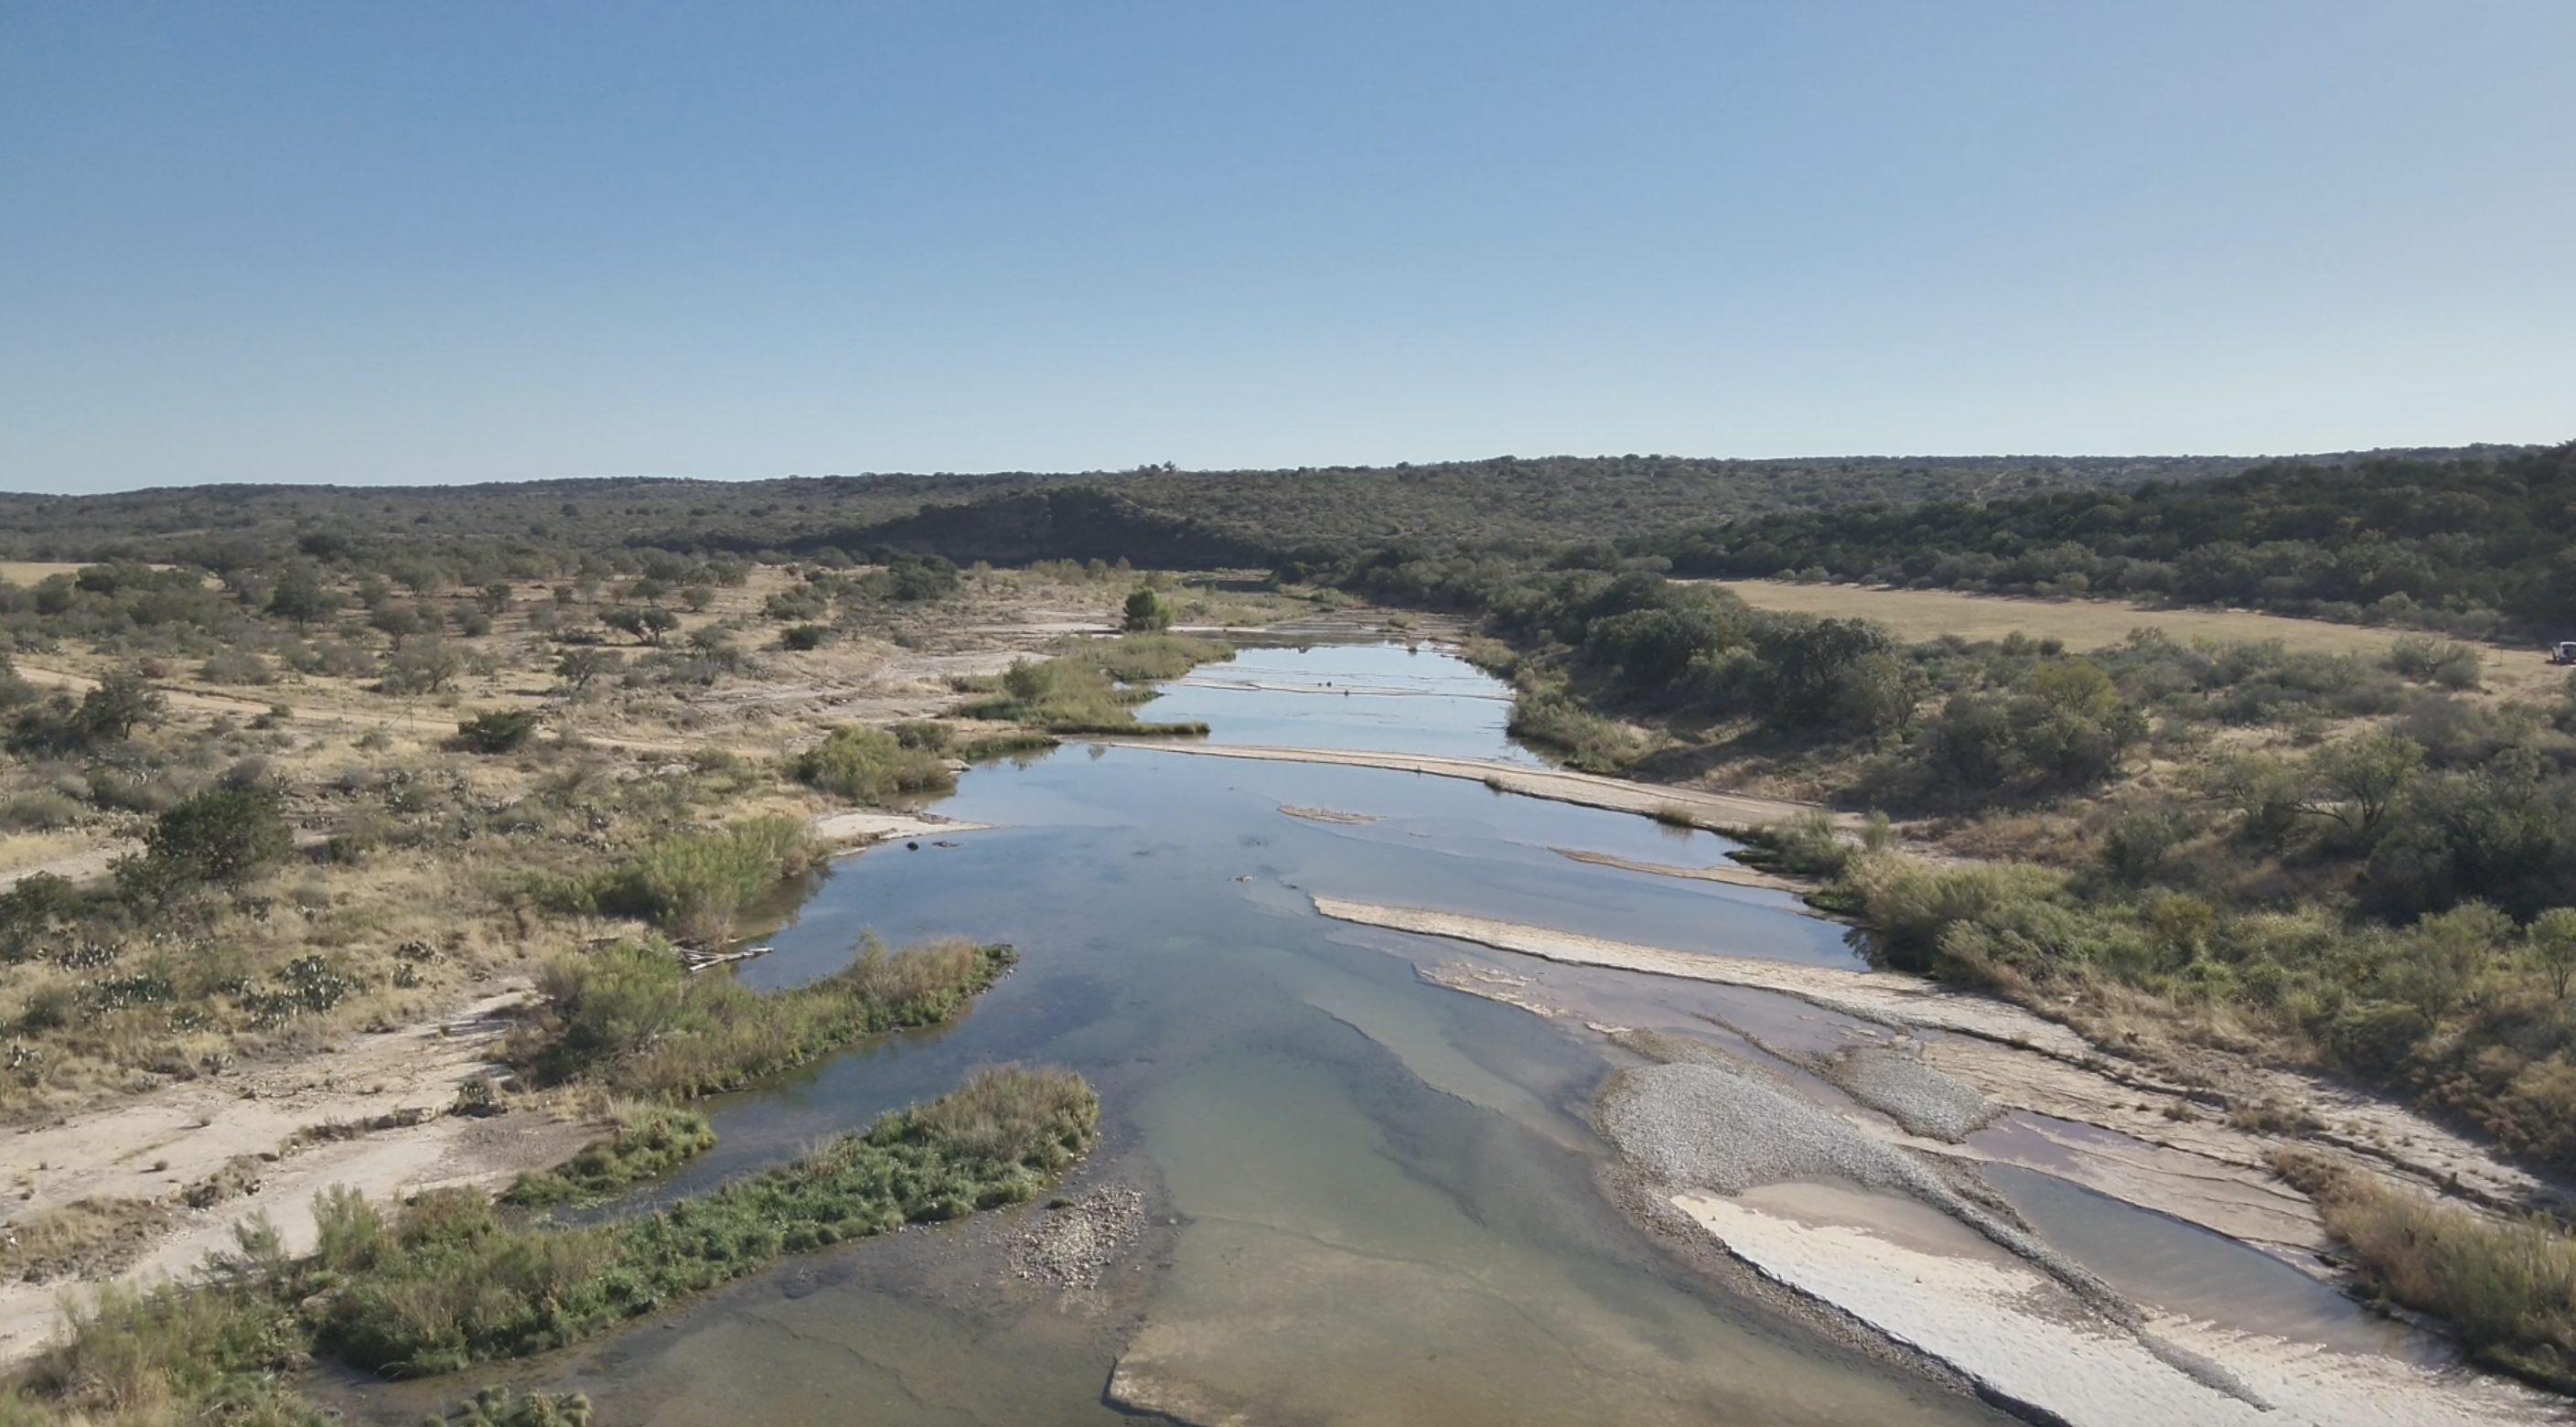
x: 1389, y: 698
x: 1377, y: 1200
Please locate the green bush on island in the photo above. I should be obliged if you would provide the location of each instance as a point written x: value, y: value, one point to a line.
x: 649, y: 1141
x: 1094, y: 686
x: 500, y: 1407
x: 631, y: 1016
x: 444, y: 1281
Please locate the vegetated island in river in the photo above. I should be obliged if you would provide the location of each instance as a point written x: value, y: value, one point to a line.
x: 452, y: 1278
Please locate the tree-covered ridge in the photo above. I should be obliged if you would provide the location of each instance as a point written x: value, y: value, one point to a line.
x: 2474, y: 544
x: 1153, y: 515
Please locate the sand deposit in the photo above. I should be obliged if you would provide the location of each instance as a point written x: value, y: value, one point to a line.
x: 264, y: 1140
x: 1706, y: 809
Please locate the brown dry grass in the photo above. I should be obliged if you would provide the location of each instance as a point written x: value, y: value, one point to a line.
x: 87, y: 1238
x: 2504, y: 672
x: 2507, y: 1287
x: 30, y: 572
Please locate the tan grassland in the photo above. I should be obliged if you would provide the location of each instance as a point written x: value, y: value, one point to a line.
x: 2092, y: 624
x: 2083, y: 624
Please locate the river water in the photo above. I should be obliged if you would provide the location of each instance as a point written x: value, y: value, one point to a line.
x: 1373, y: 1200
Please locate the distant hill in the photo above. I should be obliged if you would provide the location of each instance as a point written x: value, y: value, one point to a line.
x: 1151, y: 516
x: 2474, y: 541
x: 1220, y: 515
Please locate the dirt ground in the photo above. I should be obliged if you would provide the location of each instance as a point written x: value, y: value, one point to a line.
x: 369, y: 1112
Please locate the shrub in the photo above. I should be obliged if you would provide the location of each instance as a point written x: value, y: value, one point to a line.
x: 803, y: 636
x: 695, y: 883
x: 1147, y: 611
x: 497, y: 731
x: 2434, y: 661
x: 1806, y: 845
x: 1912, y: 907
x: 2377, y: 1038
x: 631, y: 1016
x: 1584, y: 739
x: 234, y: 666
x: 38, y: 810
x: 443, y: 1283
x: 225, y: 835
x: 911, y: 578
x: 922, y: 733
x: 1093, y: 687
x: 872, y: 765
x: 499, y: 1407
x: 649, y: 1141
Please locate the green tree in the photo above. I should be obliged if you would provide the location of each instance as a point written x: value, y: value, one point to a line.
x: 2265, y: 792
x: 579, y: 668
x: 421, y: 666
x: 497, y: 731
x: 301, y: 597
x: 1147, y: 610
x: 646, y: 625
x: 30, y: 909
x: 223, y: 835
x: 123, y: 701
x: 2434, y: 962
x: 2552, y: 940
x: 2361, y: 778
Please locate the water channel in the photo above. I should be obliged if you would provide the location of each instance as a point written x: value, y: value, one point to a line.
x: 1373, y: 1200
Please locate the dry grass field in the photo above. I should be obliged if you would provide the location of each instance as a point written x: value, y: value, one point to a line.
x: 2092, y: 624
x: 32, y: 572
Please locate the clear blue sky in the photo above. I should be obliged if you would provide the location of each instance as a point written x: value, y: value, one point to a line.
x: 497, y: 241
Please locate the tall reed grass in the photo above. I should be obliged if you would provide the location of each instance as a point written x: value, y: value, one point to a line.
x: 2507, y: 1287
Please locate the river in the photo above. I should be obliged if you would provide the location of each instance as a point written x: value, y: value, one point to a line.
x: 1371, y: 1199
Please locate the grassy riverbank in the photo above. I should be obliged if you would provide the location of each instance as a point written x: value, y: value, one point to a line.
x: 648, y: 1142
x: 444, y: 1281
x: 1092, y: 687
x: 2507, y: 1289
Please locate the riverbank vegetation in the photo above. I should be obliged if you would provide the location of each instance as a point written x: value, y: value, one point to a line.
x: 647, y: 1140
x: 1093, y: 686
x: 874, y: 766
x: 2357, y: 861
x: 2508, y: 1288
x: 444, y: 1281
x: 632, y: 1018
